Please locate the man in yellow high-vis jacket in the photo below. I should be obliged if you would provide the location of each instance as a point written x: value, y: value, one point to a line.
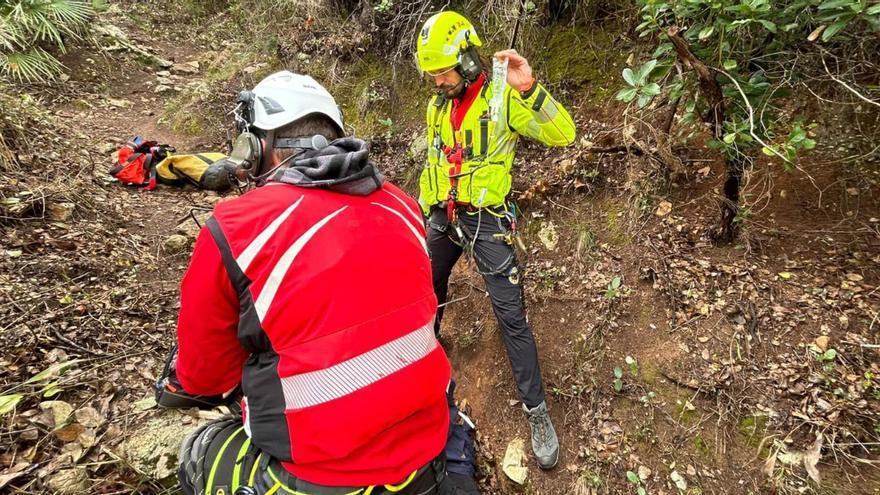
x: 464, y: 186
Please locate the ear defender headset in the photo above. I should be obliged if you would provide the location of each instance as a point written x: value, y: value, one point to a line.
x: 248, y: 149
x: 469, y: 65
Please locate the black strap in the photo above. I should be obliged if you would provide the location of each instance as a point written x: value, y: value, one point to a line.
x: 239, y: 280
x: 539, y: 100
x: 204, y: 158
x: 250, y: 330
x: 484, y: 136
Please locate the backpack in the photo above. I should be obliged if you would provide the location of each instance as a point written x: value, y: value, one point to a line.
x: 136, y: 162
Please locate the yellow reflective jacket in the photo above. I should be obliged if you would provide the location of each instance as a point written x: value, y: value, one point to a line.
x: 485, y: 178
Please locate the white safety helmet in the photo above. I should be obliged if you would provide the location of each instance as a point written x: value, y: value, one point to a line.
x: 285, y: 97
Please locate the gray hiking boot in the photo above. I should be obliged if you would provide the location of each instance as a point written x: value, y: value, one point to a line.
x: 545, y: 444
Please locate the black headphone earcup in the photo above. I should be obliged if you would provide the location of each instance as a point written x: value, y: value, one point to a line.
x: 247, y: 151
x: 469, y: 64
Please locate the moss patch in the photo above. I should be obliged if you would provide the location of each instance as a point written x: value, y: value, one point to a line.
x: 579, y: 57
x: 752, y: 429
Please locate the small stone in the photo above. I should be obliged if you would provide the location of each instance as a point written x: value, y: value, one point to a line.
x: 176, y: 243
x: 186, y: 68
x: 162, y: 89
x: 118, y: 102
x: 548, y: 236
x: 644, y: 473
x: 822, y: 342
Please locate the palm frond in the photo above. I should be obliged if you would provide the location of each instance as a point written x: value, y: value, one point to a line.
x: 70, y: 14
x: 47, y: 20
x: 34, y: 65
x: 10, y: 35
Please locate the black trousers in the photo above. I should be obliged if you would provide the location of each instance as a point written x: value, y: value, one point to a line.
x: 496, y: 261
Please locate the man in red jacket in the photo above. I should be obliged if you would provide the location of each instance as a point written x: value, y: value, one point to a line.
x: 313, y: 292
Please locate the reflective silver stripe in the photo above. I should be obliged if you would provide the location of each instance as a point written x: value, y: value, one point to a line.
x: 247, y: 256
x: 416, y: 216
x: 267, y: 295
x: 318, y: 387
x: 409, y: 225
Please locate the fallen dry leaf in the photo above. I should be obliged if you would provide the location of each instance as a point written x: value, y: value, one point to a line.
x: 663, y: 209
x: 811, y: 459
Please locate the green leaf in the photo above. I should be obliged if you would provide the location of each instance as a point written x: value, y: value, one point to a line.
x: 144, y: 404
x: 632, y: 477
x: 652, y: 89
x: 615, y: 283
x: 618, y: 372
x: 618, y: 384
x: 834, y: 4
x: 768, y: 25
x: 641, y: 491
x: 833, y: 29
x: 51, y: 390
x: 629, y: 76
x: 730, y: 138
x: 626, y: 94
x: 8, y: 402
x: 828, y: 355
x: 808, y: 144
x: 873, y: 10
x: 52, y: 371
x: 729, y: 64
x: 644, y: 100
x: 706, y: 32
x: 767, y: 151
x: 646, y: 70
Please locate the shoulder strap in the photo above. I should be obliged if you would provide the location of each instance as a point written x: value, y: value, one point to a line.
x: 250, y: 329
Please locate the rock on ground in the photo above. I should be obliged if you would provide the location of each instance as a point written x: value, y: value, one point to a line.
x: 153, y: 449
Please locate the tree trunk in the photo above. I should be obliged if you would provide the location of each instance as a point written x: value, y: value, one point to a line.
x: 711, y: 90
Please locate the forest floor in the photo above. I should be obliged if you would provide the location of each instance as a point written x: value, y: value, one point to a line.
x: 747, y: 368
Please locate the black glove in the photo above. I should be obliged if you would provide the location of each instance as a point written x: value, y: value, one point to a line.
x: 170, y: 393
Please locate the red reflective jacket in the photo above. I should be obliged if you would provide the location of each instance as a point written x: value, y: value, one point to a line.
x: 321, y: 305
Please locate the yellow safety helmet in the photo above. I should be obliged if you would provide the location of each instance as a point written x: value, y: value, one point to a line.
x: 442, y: 39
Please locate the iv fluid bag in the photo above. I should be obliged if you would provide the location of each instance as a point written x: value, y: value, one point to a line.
x: 499, y: 82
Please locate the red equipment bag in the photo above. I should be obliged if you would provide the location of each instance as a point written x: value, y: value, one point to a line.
x: 137, y: 162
